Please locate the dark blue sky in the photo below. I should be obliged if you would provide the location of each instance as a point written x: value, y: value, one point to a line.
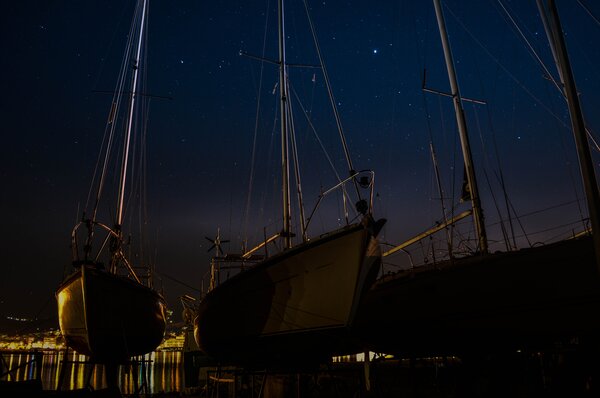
x: 55, y: 54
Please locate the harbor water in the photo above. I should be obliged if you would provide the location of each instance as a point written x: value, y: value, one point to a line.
x: 159, y: 371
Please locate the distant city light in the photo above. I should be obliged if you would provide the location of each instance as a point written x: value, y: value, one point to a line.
x: 12, y: 318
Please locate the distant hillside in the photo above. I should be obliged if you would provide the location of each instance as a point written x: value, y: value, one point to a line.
x: 9, y: 325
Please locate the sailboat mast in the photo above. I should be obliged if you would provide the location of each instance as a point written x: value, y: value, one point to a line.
x: 557, y: 42
x: 462, y: 130
x: 124, y: 165
x: 285, y: 168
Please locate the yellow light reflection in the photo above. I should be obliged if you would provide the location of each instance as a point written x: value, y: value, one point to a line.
x: 62, y: 299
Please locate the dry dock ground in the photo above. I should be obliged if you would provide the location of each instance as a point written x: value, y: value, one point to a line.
x: 561, y: 373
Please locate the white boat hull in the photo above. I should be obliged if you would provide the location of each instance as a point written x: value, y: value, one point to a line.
x: 296, y: 305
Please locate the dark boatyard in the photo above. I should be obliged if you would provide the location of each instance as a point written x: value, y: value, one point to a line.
x: 559, y: 372
x: 297, y: 198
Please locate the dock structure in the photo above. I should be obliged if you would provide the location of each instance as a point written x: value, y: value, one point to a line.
x: 566, y: 370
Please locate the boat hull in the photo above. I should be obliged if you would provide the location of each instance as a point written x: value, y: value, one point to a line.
x: 530, y: 298
x: 109, y: 317
x: 296, y: 306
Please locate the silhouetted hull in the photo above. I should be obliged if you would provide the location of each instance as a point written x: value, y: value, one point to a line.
x: 109, y: 317
x: 296, y: 306
x: 530, y: 298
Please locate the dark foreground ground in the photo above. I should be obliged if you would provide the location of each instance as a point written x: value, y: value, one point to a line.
x: 561, y: 373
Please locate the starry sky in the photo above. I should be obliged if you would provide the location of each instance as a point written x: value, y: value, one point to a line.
x: 57, y: 57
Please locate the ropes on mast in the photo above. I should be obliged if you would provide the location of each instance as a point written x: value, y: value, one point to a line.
x: 107, y: 144
x: 586, y: 8
x: 296, y: 162
x: 258, y: 105
x: 110, y: 130
x: 121, y: 121
x: 505, y: 70
x: 559, y: 86
x: 331, y: 97
x: 436, y: 168
x: 327, y: 156
x: 530, y: 47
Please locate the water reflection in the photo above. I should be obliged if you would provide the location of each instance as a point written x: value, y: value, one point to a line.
x: 160, y: 371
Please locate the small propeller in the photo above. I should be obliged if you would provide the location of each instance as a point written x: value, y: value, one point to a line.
x: 216, y: 242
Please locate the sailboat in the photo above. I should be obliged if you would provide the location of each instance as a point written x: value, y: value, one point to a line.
x: 533, y: 298
x: 105, y: 311
x: 298, y: 305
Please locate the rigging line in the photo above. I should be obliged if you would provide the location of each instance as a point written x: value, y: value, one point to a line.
x: 436, y: 169
x: 133, y: 98
x: 454, y: 158
x: 312, y: 127
x: 344, y: 193
x: 268, y: 173
x: 256, y: 122
x: 553, y: 229
x: 593, y: 139
x: 111, y: 42
x: 140, y: 94
x: 142, y: 166
x: 139, y: 129
x: 309, y: 112
x: 98, y: 74
x: 549, y: 208
x: 526, y: 235
x: 589, y: 12
x: 518, y: 218
x: 118, y: 256
x: 486, y: 157
x: 422, y: 57
x: 561, y: 235
x: 114, y: 117
x: 111, y: 122
x: 500, y: 177
x: 513, y: 77
x: 559, y: 86
x: 531, y: 49
x: 109, y: 131
x: 296, y: 162
x: 569, y: 166
x: 500, y: 172
x: 178, y: 281
x: 109, y: 135
x: 338, y: 120
x: 501, y: 222
x: 487, y: 179
x: 496, y: 152
x: 144, y: 152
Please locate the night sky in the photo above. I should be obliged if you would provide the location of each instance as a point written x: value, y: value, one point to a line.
x: 57, y: 55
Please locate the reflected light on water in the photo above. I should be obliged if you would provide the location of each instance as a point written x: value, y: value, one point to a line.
x: 160, y: 371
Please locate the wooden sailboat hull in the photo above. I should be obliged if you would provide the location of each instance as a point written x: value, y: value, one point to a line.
x: 109, y: 317
x: 529, y: 298
x: 296, y: 306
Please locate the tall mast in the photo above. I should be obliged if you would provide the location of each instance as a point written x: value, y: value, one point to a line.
x: 285, y: 168
x: 462, y: 130
x: 557, y: 42
x: 134, y: 82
